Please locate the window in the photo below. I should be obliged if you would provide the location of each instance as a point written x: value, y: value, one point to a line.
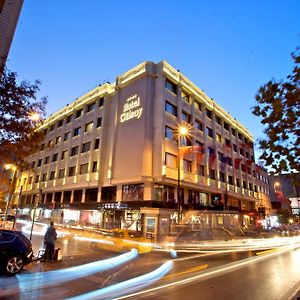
x: 209, y: 132
x: 86, y: 147
x: 197, y: 105
x: 230, y: 179
x: 52, y: 175
x: 171, y: 109
x: 39, y: 162
x: 44, y: 177
x: 218, y: 120
x: 101, y: 102
x: 185, y: 97
x: 229, y: 161
x: 30, y: 180
x: 33, y: 164
x: 237, y: 181
x: 60, y: 123
x: 222, y: 176
x: 51, y: 127
x: 37, y: 178
x: 226, y: 126
x: 69, y: 118
x: 95, y: 166
x: 47, y: 159
x: 218, y: 138
x: 84, y: 168
x: 67, y: 135
x: 91, y: 107
x: 220, y: 156
x: 79, y: 113
x: 199, y: 125
x: 77, y: 131
x: 250, y: 187
x: 61, y: 173
x: 247, y: 155
x: 72, y: 171
x: 169, y: 133
x: 172, y: 87
x: 133, y: 192
x: 209, y: 113
x: 97, y: 144
x: 241, y: 151
x: 187, y: 165
x: 233, y: 132
x: 58, y: 140
x: 64, y: 154
x: 54, y: 157
x: 186, y: 117
x: 244, y: 184
x: 50, y: 143
x: 88, y: 127
x: 99, y: 122
x: 240, y: 136
x: 200, y: 170
x: 212, y: 174
x: 234, y: 147
x: 74, y: 150
x: 42, y: 146
x: 171, y: 160
x: 211, y: 151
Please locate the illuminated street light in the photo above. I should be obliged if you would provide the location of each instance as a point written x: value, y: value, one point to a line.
x: 11, y: 189
x: 183, y: 132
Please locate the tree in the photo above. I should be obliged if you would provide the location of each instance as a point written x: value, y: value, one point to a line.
x: 279, y: 108
x: 19, y: 107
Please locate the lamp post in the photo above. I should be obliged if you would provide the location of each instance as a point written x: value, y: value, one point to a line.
x: 183, y: 131
x: 11, y: 189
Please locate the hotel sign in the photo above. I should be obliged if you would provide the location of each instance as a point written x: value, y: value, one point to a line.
x: 131, y: 109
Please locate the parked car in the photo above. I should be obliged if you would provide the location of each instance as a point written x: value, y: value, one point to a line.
x: 15, y: 251
x: 10, y: 219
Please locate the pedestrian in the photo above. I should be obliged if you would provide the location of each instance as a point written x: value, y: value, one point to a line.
x: 49, y: 240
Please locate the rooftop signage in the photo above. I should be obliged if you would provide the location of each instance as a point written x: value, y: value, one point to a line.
x: 131, y: 109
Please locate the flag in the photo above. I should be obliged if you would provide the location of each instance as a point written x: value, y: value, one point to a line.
x: 198, y: 150
x: 237, y: 162
x: 212, y: 160
x: 186, y: 150
x: 249, y: 162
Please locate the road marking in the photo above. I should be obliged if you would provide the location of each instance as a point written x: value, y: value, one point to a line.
x: 267, y: 251
x: 198, y: 268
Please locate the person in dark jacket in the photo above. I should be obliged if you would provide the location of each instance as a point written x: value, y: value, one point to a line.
x: 49, y: 240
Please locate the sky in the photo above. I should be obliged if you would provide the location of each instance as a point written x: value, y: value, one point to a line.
x: 227, y: 48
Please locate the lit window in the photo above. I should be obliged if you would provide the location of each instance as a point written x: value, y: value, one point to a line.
x: 197, y: 105
x: 218, y: 137
x: 64, y: 154
x: 185, y: 97
x: 88, y: 127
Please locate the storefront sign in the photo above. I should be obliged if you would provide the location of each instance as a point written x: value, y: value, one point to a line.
x: 117, y: 205
x: 131, y: 109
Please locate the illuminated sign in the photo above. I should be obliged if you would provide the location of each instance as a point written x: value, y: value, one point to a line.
x: 131, y: 109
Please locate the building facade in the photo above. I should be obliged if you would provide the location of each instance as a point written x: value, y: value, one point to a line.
x: 115, y: 157
x: 9, y: 16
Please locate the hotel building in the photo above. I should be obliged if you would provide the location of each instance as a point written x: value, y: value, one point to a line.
x: 115, y: 157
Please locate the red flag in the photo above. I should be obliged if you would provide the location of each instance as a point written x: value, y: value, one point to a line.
x: 185, y: 150
x: 249, y: 162
x: 212, y: 160
x: 199, y: 157
x: 237, y: 162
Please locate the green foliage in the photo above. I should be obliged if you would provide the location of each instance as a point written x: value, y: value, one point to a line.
x: 18, y: 102
x: 279, y: 109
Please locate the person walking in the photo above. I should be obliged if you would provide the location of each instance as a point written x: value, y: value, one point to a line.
x: 49, y: 240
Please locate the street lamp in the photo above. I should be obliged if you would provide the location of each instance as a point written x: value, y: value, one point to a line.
x: 11, y: 189
x: 183, y: 131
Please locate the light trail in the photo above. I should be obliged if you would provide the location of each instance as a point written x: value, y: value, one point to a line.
x: 51, y: 278
x: 211, y: 273
x: 128, y: 285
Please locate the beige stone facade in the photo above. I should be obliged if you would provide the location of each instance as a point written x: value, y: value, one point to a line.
x: 117, y: 148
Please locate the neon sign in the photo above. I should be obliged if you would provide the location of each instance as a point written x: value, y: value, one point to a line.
x: 131, y: 109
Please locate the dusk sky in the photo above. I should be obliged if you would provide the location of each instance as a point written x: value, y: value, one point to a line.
x: 227, y: 48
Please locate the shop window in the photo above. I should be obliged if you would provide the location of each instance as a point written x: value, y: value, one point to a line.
x: 171, y: 109
x: 169, y: 85
x: 133, y: 192
x: 171, y: 160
